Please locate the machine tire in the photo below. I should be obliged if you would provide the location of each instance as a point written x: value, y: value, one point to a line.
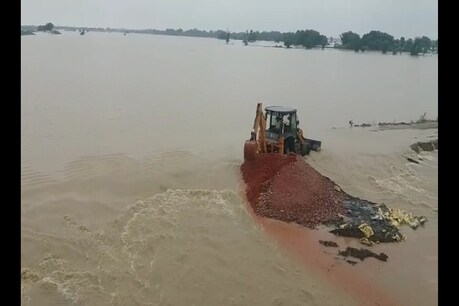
x: 305, y: 149
x: 289, y: 145
x: 250, y: 150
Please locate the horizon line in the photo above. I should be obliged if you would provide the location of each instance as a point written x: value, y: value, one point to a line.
x: 142, y: 29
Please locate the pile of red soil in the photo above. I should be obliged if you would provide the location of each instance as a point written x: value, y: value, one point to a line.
x: 286, y: 188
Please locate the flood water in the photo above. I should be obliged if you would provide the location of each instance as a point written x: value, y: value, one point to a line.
x: 130, y: 154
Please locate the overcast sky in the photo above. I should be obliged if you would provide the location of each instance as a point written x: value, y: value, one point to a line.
x: 407, y: 18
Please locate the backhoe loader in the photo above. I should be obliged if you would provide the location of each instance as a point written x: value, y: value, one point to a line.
x: 277, y: 131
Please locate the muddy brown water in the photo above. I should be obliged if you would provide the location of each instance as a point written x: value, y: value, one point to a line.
x: 131, y: 195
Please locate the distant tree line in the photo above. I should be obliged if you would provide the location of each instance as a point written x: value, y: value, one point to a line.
x: 27, y: 32
x: 379, y: 41
x: 308, y: 39
x: 373, y: 41
x: 47, y: 27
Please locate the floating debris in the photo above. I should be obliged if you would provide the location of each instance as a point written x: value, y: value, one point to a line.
x: 362, y: 254
x: 366, y: 241
x: 400, y: 217
x: 352, y: 262
x: 412, y: 160
x: 374, y: 223
x: 366, y: 230
x: 329, y: 243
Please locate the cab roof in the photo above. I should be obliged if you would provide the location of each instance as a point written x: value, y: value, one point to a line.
x: 280, y: 109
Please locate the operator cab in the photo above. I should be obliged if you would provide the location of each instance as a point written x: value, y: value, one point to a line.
x: 280, y: 120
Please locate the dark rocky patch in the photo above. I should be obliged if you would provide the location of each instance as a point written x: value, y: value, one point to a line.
x: 329, y: 243
x: 351, y: 262
x: 412, y: 160
x: 425, y: 146
x: 362, y: 254
x: 360, y: 211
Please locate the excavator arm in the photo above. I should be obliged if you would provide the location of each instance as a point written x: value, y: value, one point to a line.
x: 257, y: 142
x: 259, y: 129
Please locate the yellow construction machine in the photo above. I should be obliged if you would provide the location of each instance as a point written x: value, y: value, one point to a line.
x: 277, y: 131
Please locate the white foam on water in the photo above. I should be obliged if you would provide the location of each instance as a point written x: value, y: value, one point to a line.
x: 179, y: 247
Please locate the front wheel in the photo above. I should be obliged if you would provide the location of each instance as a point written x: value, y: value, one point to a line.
x: 305, y: 148
x: 289, y: 145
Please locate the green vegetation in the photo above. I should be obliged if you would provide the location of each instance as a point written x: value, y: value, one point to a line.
x: 252, y: 36
x: 47, y: 27
x: 350, y: 40
x: 225, y: 36
x: 373, y: 40
x: 27, y: 32
x: 379, y: 41
x: 308, y: 39
x: 245, y: 41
